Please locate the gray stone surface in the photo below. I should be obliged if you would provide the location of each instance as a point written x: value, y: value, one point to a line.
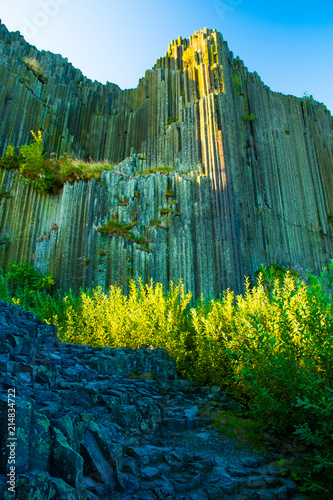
x: 91, y: 437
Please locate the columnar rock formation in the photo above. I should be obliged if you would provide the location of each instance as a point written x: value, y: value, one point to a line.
x: 251, y: 177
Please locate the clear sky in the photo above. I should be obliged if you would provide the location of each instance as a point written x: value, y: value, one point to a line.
x: 288, y: 42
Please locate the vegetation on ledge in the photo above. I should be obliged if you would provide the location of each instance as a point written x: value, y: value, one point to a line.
x: 35, y: 67
x: 48, y: 175
x: 161, y: 170
x: 114, y: 228
x: 166, y: 211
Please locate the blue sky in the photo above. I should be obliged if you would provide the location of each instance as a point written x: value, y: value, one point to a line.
x: 289, y: 43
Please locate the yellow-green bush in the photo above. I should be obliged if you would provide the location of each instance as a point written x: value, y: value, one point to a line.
x: 145, y: 316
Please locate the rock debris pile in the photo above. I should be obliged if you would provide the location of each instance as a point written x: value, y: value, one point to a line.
x: 92, y: 423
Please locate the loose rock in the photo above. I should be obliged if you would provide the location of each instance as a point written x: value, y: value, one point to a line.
x: 106, y: 434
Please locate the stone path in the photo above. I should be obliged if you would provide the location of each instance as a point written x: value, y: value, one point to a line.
x: 95, y: 423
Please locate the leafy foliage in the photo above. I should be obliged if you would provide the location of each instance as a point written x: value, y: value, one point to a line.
x: 25, y: 275
x: 270, y: 348
x: 23, y: 284
x: 147, y: 316
x: 32, y: 167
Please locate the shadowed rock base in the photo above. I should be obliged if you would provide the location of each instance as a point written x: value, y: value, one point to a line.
x: 94, y: 423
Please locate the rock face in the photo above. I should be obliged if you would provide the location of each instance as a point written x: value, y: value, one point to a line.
x: 92, y: 423
x: 251, y: 177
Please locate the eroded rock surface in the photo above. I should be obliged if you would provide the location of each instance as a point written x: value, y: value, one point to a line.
x: 91, y: 423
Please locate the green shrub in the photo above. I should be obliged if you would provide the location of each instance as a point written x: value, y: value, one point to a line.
x: 147, y: 316
x: 273, y: 350
x: 25, y: 275
x: 24, y: 285
x: 274, y: 272
x: 32, y: 167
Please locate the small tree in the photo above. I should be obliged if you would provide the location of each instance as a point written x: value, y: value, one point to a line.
x: 36, y: 171
x: 24, y: 275
x: 33, y: 158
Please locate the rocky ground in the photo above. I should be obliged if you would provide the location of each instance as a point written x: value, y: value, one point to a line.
x: 94, y: 423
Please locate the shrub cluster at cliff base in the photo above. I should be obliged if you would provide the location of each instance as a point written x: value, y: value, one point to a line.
x: 272, y: 348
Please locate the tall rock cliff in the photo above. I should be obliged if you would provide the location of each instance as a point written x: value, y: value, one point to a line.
x: 250, y: 171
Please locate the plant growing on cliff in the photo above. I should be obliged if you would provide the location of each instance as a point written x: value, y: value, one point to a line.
x: 237, y: 84
x: 162, y: 170
x: 249, y: 118
x: 114, y: 228
x: 4, y: 193
x: 49, y: 176
x: 169, y: 193
x: 123, y: 202
x: 34, y: 66
x: 170, y: 121
x: 34, y: 169
x: 155, y: 222
x: 32, y: 166
x: 166, y: 211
